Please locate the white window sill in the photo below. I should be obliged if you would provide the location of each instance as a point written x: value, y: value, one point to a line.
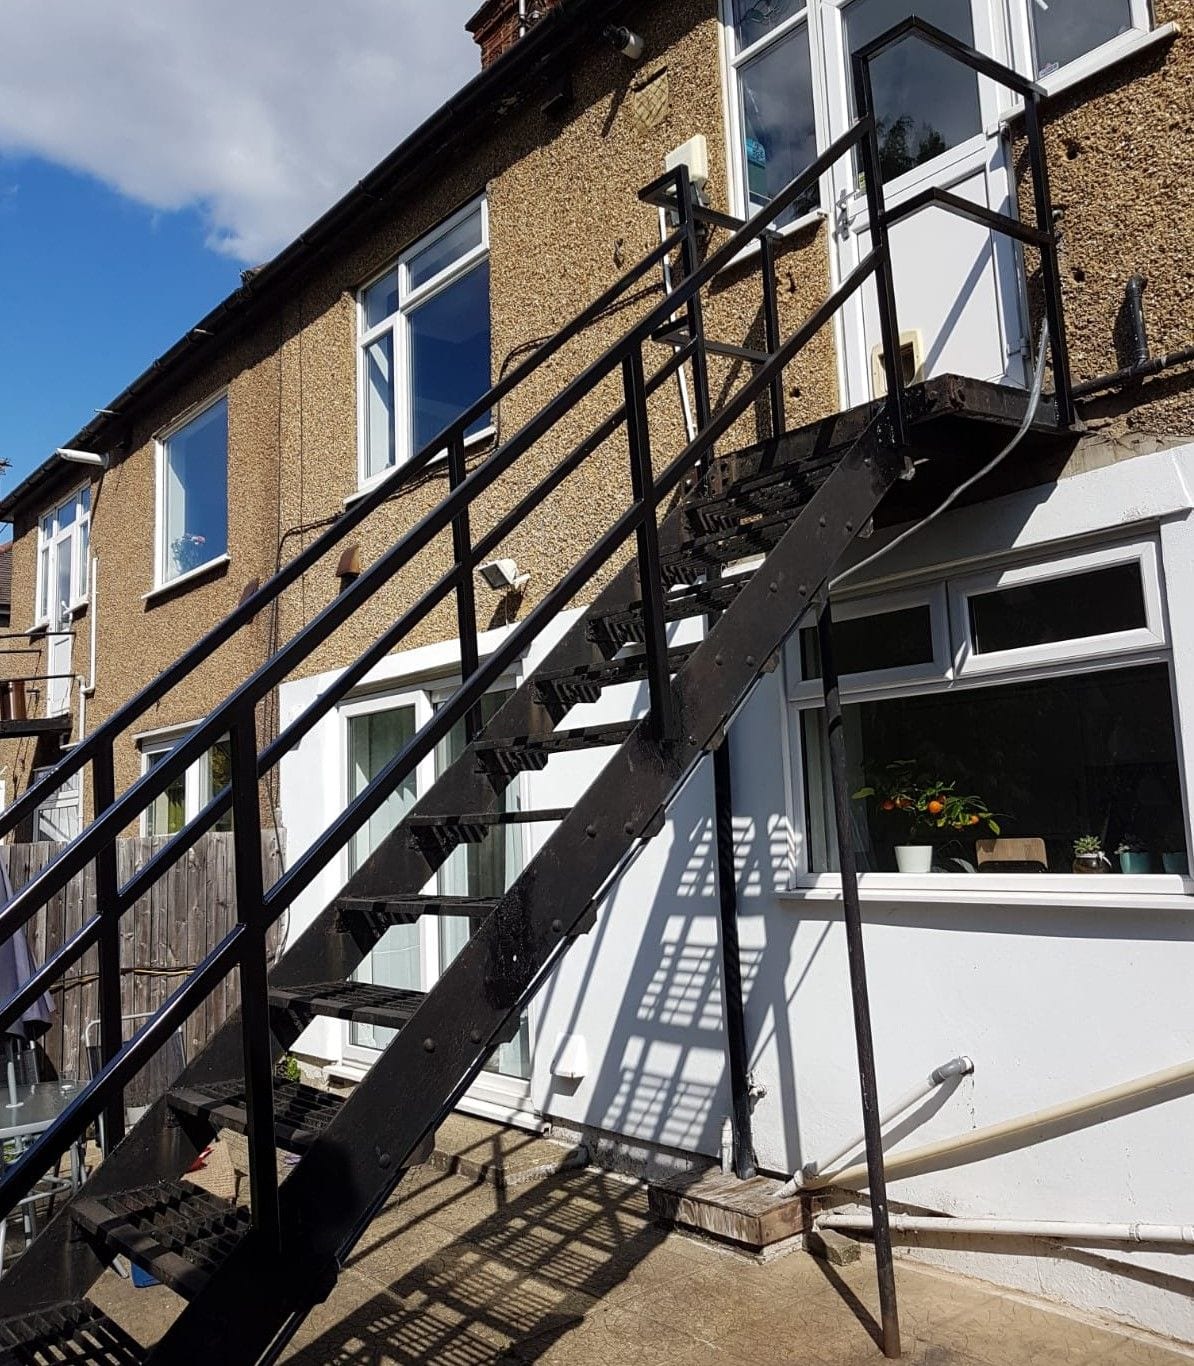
x: 798, y: 225
x: 1042, y: 891
x: 163, y: 590
x: 440, y: 458
x: 1119, y: 50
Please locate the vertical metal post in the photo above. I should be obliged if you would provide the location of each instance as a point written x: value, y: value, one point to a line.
x: 256, y: 1038
x: 731, y: 963
x: 107, y: 905
x: 466, y: 606
x: 852, y: 914
x: 696, y: 319
x: 767, y: 244
x: 889, y: 326
x: 1050, y: 267
x: 642, y: 482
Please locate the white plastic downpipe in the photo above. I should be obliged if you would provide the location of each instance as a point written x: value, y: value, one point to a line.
x: 1179, y: 1234
x: 855, y: 1177
x: 812, y: 1173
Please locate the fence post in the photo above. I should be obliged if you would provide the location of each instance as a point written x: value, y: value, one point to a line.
x: 108, y: 908
x: 466, y: 607
x: 642, y: 481
x: 256, y: 1036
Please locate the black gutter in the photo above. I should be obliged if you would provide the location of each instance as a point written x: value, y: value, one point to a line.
x: 493, y: 93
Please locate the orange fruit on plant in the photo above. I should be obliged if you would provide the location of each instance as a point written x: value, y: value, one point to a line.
x: 936, y: 807
x: 889, y: 805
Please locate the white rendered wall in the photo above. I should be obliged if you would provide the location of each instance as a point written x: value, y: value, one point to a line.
x: 1051, y: 999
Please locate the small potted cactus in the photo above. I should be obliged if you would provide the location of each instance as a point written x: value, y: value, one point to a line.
x: 1089, y: 856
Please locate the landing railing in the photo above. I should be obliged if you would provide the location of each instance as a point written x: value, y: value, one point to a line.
x: 243, y: 950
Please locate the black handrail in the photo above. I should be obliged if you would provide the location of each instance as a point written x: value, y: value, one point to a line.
x: 244, y: 948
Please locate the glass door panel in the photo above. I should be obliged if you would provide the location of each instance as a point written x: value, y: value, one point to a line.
x: 374, y: 737
x: 485, y: 869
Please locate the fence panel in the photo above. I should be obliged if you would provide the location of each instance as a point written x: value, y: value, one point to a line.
x: 162, y: 937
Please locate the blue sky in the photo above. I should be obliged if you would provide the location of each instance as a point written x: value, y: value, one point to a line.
x: 94, y: 286
x: 160, y: 149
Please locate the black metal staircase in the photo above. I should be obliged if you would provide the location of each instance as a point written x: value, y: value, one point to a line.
x: 788, y: 508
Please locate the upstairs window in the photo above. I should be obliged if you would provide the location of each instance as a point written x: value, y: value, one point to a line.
x: 425, y: 343
x: 1064, y: 30
x: 63, y: 559
x: 774, y: 128
x: 193, y: 494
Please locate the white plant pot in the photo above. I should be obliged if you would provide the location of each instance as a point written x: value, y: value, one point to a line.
x: 914, y: 858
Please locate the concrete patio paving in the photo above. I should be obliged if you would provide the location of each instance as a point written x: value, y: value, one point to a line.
x: 570, y: 1269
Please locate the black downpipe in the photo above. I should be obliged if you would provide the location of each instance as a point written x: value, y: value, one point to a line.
x: 1143, y: 364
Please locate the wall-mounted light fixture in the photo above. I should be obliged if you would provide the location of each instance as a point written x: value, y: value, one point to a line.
x: 627, y: 42
x: 504, y: 576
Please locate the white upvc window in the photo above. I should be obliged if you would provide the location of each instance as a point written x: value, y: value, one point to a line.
x: 189, y: 792
x: 424, y: 354
x: 783, y: 58
x: 771, y: 53
x: 192, y: 493
x: 1042, y: 689
x: 63, y: 559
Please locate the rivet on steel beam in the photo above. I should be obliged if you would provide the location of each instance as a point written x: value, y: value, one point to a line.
x: 692, y: 740
x: 628, y: 828
x: 428, y: 1045
x: 773, y: 587
x: 849, y: 526
x: 820, y: 521
x: 803, y: 590
x: 750, y: 661
x: 557, y: 927
x: 591, y: 831
x: 474, y: 1036
x: 383, y: 1159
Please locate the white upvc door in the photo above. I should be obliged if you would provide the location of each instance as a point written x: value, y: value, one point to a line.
x: 958, y: 286
x: 60, y: 641
x: 414, y: 956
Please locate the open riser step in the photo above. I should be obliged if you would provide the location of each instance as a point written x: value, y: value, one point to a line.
x: 176, y: 1232
x: 77, y: 1333
x: 301, y: 1112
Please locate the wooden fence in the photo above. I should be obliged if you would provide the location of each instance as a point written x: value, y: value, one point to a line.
x: 163, y: 936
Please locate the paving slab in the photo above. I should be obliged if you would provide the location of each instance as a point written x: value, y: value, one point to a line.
x: 500, y: 1154
x: 572, y: 1269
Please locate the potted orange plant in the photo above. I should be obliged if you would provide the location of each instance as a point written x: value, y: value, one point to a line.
x: 924, y: 804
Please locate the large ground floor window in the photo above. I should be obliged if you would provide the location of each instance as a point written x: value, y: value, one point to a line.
x: 1016, y: 719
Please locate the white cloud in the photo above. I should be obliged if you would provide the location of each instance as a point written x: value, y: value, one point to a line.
x: 260, y: 113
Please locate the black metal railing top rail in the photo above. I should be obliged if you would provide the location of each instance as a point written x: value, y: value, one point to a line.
x: 243, y: 949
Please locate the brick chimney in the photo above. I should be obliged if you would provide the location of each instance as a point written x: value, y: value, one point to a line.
x: 499, y: 24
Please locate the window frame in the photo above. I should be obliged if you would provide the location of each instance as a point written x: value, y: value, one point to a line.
x: 1122, y: 44
x: 1009, y: 29
x: 197, y: 785
x: 46, y: 573
x: 732, y: 60
x: 161, y: 442
x: 1083, y: 655
x: 398, y: 326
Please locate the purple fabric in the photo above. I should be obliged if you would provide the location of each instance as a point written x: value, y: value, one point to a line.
x: 16, y: 968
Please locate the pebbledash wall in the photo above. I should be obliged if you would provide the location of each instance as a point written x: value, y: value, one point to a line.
x: 1053, y: 993
x: 564, y: 223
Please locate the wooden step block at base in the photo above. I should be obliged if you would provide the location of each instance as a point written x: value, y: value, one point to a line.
x: 746, y: 1214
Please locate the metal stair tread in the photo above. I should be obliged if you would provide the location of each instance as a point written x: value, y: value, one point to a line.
x: 76, y: 1331
x: 408, y: 909
x: 177, y: 1232
x: 301, y: 1112
x: 363, y: 1002
x: 607, y: 673
x: 489, y: 818
x: 625, y: 624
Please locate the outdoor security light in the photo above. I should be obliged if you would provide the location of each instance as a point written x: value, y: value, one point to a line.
x: 628, y: 43
x: 504, y: 576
